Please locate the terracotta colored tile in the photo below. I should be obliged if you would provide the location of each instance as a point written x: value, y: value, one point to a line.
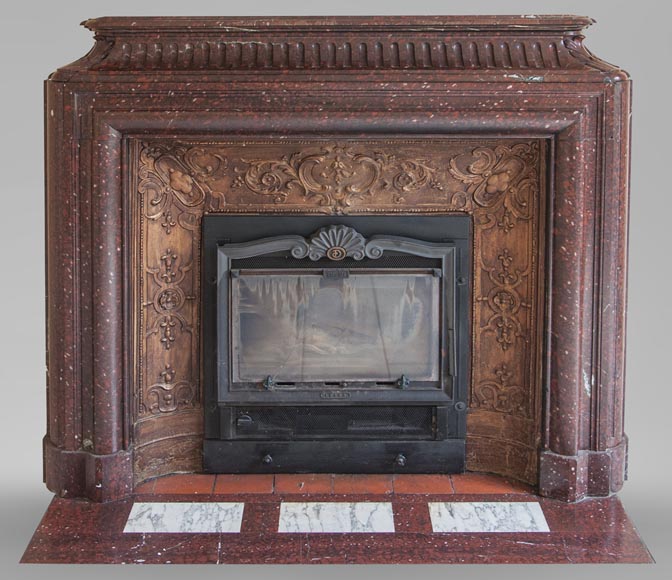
x: 192, y: 483
x: 248, y: 483
x: 303, y: 483
x: 483, y: 483
x: 422, y: 483
x: 145, y: 487
x: 367, y: 484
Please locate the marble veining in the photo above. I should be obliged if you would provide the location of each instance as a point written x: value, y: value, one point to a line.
x: 336, y: 517
x: 487, y: 516
x: 185, y: 517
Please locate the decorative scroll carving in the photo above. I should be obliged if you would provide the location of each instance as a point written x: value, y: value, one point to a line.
x: 504, y: 300
x: 577, y: 49
x: 501, y: 180
x: 176, y: 182
x: 169, y: 299
x: 169, y: 395
x: 500, y: 395
x: 335, y: 176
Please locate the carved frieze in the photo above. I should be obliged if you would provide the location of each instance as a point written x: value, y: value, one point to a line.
x: 335, y: 175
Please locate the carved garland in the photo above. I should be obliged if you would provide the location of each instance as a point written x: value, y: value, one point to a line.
x: 178, y: 183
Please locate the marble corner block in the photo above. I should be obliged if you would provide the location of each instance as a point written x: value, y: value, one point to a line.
x: 336, y: 517
x: 185, y: 517
x: 467, y: 517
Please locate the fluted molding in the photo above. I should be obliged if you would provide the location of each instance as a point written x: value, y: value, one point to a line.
x: 439, y: 43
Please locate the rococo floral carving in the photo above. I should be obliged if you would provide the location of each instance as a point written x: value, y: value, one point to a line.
x: 177, y: 184
x: 502, y: 180
x: 335, y: 175
x: 170, y: 395
x: 500, y: 394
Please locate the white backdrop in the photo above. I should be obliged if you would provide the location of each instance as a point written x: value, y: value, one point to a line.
x: 37, y: 37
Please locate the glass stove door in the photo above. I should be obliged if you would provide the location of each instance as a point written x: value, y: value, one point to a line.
x: 357, y: 327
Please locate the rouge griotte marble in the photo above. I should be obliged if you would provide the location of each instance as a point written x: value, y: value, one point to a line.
x: 509, y: 120
x: 596, y: 531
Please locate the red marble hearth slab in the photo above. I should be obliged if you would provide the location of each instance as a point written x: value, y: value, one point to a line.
x: 593, y: 531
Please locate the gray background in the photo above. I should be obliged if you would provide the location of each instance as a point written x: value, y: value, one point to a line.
x: 37, y: 37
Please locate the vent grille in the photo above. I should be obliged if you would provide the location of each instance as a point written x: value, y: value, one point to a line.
x: 335, y: 422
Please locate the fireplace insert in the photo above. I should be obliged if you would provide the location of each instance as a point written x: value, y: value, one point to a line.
x: 335, y: 344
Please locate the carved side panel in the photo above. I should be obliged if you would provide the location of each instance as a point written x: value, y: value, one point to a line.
x: 498, y: 182
x: 503, y: 192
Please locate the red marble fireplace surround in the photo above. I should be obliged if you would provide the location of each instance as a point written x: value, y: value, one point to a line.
x: 510, y: 120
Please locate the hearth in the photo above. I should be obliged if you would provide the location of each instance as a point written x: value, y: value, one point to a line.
x: 335, y: 344
x: 497, y: 148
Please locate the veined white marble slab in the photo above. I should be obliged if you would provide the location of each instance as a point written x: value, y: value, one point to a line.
x: 487, y: 516
x: 185, y: 517
x: 336, y: 517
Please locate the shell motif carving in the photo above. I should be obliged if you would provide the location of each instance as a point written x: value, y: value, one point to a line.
x: 336, y: 243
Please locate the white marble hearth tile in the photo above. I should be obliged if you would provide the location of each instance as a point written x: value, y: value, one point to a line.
x: 185, y: 517
x: 466, y: 517
x: 336, y: 517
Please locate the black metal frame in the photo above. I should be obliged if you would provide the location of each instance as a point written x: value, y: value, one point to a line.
x: 229, y: 238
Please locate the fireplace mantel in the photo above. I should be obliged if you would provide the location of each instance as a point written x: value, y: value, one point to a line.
x: 509, y: 120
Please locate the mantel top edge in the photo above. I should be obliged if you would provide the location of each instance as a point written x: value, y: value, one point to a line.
x: 122, y: 25
x: 343, y: 45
